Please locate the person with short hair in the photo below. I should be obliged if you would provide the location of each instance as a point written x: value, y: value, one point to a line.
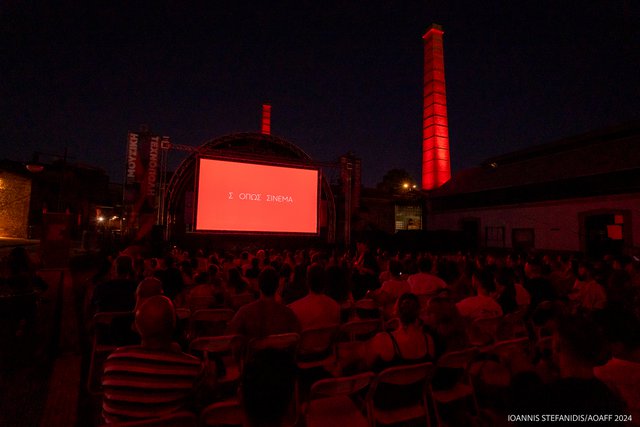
x: 579, y: 346
x: 316, y: 309
x: 425, y: 283
x: 265, y: 316
x: 155, y: 378
x: 481, y: 305
x: 267, y: 387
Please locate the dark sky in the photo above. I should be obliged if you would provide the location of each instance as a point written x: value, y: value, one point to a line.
x: 341, y: 75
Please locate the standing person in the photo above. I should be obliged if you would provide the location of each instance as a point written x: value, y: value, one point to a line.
x: 171, y: 277
x: 539, y: 287
x: 118, y: 293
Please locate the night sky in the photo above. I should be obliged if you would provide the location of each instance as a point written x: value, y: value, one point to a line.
x: 341, y: 75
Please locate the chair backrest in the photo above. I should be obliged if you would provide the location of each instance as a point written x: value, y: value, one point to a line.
x: 341, y: 386
x: 484, y: 331
x: 287, y: 342
x: 407, y: 374
x: 317, y: 340
x: 114, y: 329
x: 367, y: 309
x: 183, y: 313
x: 222, y: 414
x: 360, y: 329
x: 209, y: 322
x: 216, y: 345
x: 239, y: 300
x: 179, y: 419
x: 202, y: 303
x: 346, y: 310
x: 458, y: 359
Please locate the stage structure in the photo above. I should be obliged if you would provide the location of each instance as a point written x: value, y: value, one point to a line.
x: 306, y: 192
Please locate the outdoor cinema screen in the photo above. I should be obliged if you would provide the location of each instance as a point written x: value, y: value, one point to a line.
x: 248, y: 197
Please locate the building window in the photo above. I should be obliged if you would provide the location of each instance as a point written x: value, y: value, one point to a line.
x: 522, y: 238
x: 494, y: 237
x: 408, y: 217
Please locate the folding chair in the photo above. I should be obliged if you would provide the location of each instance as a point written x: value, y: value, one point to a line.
x: 220, y: 414
x: 510, y: 352
x: 462, y: 388
x: 399, y: 394
x: 358, y: 330
x: 346, y: 311
x: 225, y: 351
x: 202, y: 303
x: 179, y: 419
x: 209, y: 322
x: 332, y: 402
x: 316, y: 347
x: 484, y: 331
x: 367, y: 309
x: 111, y: 330
x: 239, y: 300
x: 512, y: 326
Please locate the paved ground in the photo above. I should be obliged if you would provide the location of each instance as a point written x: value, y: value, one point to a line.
x: 27, y: 361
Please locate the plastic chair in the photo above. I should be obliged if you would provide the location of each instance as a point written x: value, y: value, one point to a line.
x: 225, y: 351
x: 484, y: 331
x: 462, y: 388
x: 346, y: 311
x: 509, y: 350
x: 512, y: 326
x: 202, y: 303
x: 358, y: 330
x: 179, y: 419
x: 316, y: 347
x: 111, y: 330
x: 210, y: 322
x: 222, y: 414
x: 367, y: 309
x: 331, y: 402
x: 239, y: 300
x: 286, y: 342
x: 404, y: 383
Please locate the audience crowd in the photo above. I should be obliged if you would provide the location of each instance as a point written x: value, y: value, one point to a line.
x: 538, y: 334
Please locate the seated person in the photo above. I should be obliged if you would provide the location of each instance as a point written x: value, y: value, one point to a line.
x: 407, y: 344
x: 267, y: 388
x: 482, y: 305
x: 316, y: 309
x: 622, y: 372
x: 391, y: 289
x: 578, y: 346
x: 587, y: 291
x: 425, y: 283
x: 153, y: 379
x: 265, y: 316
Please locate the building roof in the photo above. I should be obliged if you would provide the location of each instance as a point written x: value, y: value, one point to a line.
x: 600, y: 162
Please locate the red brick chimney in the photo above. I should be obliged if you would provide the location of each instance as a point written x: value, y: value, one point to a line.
x: 266, y: 119
x: 436, y: 166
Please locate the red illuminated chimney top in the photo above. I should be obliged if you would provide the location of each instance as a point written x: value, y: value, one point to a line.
x: 436, y: 167
x: 266, y: 119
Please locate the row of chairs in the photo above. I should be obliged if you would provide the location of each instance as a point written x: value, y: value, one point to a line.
x: 355, y: 400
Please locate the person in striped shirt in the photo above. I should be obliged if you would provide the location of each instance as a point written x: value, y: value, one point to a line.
x: 155, y: 378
